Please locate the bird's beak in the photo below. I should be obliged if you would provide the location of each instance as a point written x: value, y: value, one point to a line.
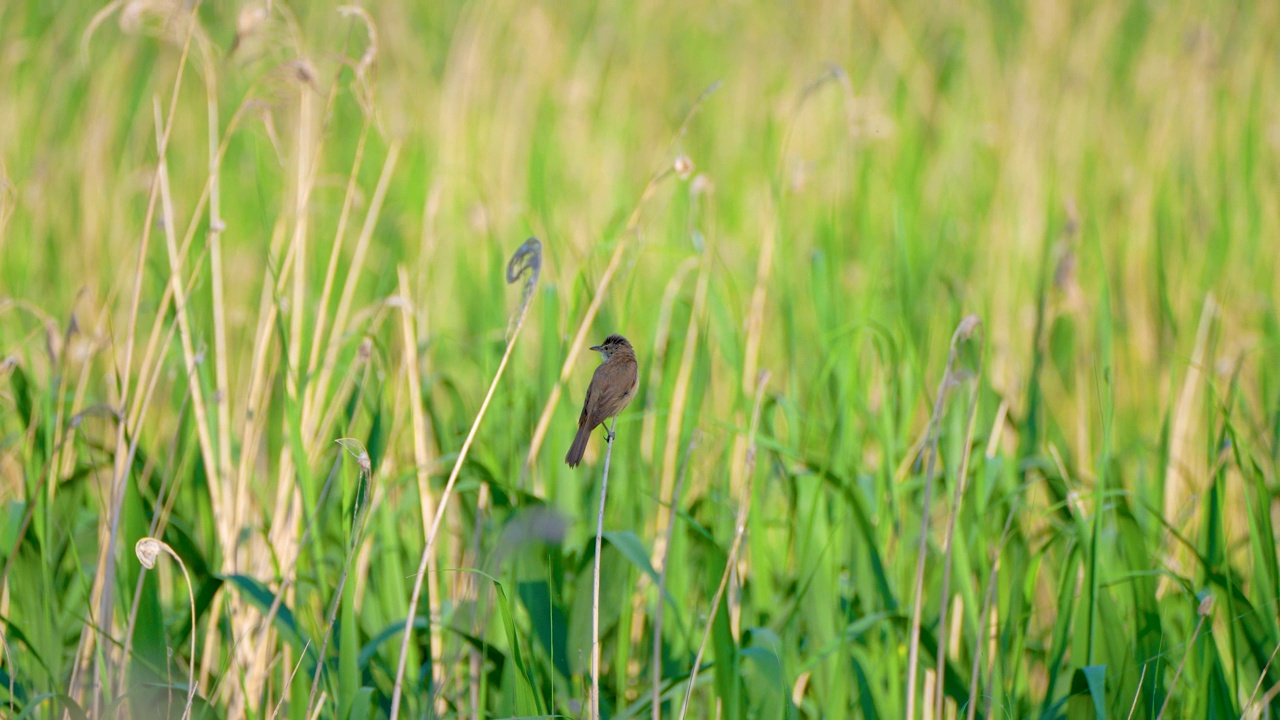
x: 598, y: 348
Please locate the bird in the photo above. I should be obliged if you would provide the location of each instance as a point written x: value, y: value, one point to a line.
x: 612, y: 388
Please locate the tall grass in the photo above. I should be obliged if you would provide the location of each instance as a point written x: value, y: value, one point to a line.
x: 230, y: 238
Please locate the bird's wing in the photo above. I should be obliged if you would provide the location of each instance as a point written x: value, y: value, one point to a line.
x: 610, y: 390
x: 586, y: 400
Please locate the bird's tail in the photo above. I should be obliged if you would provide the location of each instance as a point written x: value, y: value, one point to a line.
x: 579, y: 446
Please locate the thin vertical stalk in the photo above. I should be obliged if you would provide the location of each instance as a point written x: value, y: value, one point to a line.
x: 659, y: 611
x: 324, y: 375
x: 527, y: 260
x: 359, y: 520
x: 957, y: 497
x: 744, y: 506
x: 222, y: 401
x: 422, y: 463
x: 185, y: 335
x: 1204, y: 610
x: 595, y: 581
x: 148, y: 549
x: 963, y: 330
x: 679, y: 399
x: 987, y: 601
x: 101, y: 596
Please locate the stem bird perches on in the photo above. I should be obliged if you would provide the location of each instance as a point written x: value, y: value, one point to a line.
x: 526, y: 263
x: 595, y: 582
x: 606, y: 277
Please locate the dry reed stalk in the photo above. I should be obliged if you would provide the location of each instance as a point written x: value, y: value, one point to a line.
x: 288, y: 680
x: 1255, y: 710
x: 659, y: 610
x: 975, y: 326
x: 360, y: 520
x: 280, y: 536
x: 680, y: 394
x: 1204, y: 610
x: 150, y: 357
x: 759, y: 296
x: 305, y: 173
x: 283, y: 533
x: 422, y: 464
x: 1250, y: 709
x: 237, y: 491
x: 649, y: 429
x: 228, y: 520
x: 740, y: 529
x: 221, y: 380
x: 60, y: 454
x: 259, y: 380
x: 191, y: 361
x: 1137, y: 695
x: 527, y: 260
x: 287, y: 579
x: 335, y: 255
x: 101, y: 597
x: 151, y: 368
x: 751, y: 360
x: 662, y: 338
x: 262, y: 368
x: 286, y: 520
x: 1186, y: 472
x: 315, y: 394
x: 320, y: 389
x: 962, y: 332
x: 148, y: 549
x: 160, y: 518
x: 988, y: 610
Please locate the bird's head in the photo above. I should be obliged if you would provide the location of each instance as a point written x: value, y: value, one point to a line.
x: 612, y: 344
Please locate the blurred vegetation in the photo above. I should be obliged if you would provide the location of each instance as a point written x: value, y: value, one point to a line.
x: 232, y: 237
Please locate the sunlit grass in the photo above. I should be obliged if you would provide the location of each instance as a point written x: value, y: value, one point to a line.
x: 229, y: 240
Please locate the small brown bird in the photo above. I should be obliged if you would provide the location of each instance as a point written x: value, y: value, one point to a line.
x: 611, y: 390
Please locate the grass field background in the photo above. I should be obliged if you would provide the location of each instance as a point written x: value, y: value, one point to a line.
x: 998, y: 276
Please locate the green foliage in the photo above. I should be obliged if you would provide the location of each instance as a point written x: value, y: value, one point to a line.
x: 230, y: 239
